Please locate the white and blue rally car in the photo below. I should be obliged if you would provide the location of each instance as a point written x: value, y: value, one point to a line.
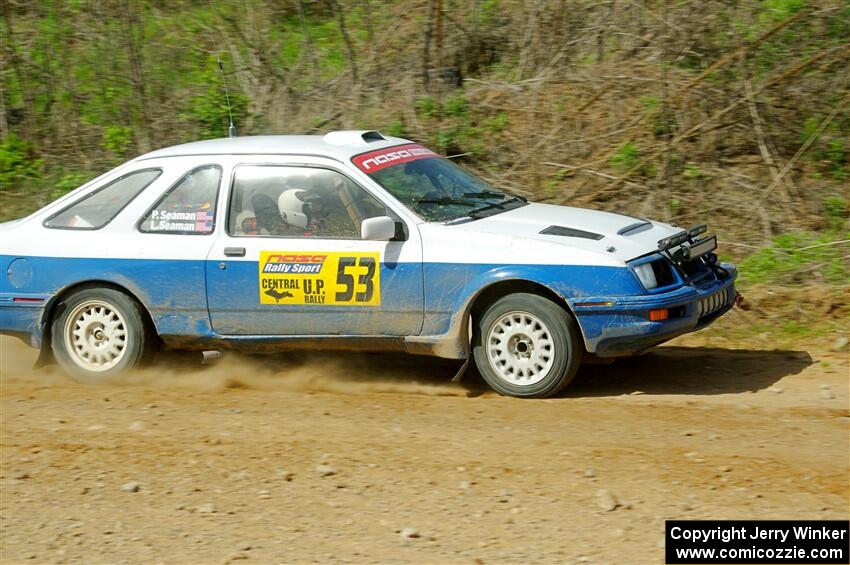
x: 351, y: 240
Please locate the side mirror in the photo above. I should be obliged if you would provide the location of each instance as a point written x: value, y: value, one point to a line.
x: 381, y: 228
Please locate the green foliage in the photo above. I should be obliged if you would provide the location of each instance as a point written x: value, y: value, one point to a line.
x: 16, y: 166
x: 489, y: 10
x: 454, y: 128
x: 810, y: 128
x: 675, y: 205
x: 456, y: 105
x: 117, y: 139
x: 426, y: 106
x: 692, y: 171
x: 652, y: 106
x: 799, y: 257
x: 836, y: 154
x: 829, y: 147
x: 396, y: 128
x: 446, y: 139
x: 778, y: 10
x: 649, y: 103
x: 69, y: 182
x: 836, y: 210
x: 497, y: 123
x: 626, y: 157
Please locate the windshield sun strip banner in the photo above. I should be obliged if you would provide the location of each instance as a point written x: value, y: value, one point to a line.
x: 382, y: 158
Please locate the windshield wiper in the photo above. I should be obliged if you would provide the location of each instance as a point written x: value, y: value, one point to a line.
x: 446, y: 200
x: 476, y: 214
x: 485, y: 194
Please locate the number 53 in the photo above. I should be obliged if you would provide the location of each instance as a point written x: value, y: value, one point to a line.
x: 365, y: 280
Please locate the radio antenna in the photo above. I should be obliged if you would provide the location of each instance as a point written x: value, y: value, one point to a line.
x: 231, y: 130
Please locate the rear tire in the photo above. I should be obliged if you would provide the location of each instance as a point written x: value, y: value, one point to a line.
x: 527, y: 346
x: 98, y: 333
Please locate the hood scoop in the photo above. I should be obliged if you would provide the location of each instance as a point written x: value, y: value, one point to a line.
x: 636, y: 227
x: 571, y: 232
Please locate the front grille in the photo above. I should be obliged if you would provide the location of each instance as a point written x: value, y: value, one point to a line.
x: 714, y: 302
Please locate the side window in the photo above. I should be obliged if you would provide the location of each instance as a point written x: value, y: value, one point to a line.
x: 298, y: 202
x: 98, y: 208
x: 188, y: 207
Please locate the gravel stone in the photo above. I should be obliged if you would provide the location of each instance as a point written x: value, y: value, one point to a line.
x: 409, y: 533
x: 606, y: 501
x: 132, y: 486
x: 325, y: 470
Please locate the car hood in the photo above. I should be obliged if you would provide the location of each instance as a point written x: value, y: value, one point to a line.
x: 602, y: 232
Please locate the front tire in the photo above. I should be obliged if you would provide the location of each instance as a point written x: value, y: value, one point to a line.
x: 527, y: 346
x: 97, y: 334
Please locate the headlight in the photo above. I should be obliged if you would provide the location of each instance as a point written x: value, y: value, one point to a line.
x: 646, y: 274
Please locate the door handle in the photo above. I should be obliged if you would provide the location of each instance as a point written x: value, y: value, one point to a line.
x: 234, y: 251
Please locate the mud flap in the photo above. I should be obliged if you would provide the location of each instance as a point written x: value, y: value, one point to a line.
x: 45, y: 356
x: 45, y: 352
x: 459, y: 375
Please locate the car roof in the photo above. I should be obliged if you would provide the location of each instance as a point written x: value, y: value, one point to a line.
x: 338, y: 145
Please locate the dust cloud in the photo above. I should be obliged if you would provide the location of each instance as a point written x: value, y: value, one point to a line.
x: 340, y: 373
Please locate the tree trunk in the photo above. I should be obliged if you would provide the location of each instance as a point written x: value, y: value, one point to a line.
x: 349, y: 47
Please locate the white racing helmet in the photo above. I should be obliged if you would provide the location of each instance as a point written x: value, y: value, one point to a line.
x: 293, y: 209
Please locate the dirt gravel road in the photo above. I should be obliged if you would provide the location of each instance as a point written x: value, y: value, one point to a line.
x: 360, y: 458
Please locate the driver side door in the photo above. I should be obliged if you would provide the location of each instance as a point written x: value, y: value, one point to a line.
x: 292, y: 262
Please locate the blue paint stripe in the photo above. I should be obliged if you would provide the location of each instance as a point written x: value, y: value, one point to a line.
x: 175, y: 292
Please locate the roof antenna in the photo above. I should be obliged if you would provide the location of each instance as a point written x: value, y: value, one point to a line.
x: 231, y: 130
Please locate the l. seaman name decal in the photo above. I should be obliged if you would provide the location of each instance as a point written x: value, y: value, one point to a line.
x: 320, y: 278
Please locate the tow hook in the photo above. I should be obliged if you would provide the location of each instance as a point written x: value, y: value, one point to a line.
x: 740, y: 302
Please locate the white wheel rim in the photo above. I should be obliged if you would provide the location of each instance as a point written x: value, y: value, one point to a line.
x: 96, y: 336
x: 520, y: 348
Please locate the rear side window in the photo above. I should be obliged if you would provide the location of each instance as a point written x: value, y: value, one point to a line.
x: 188, y: 207
x: 98, y: 208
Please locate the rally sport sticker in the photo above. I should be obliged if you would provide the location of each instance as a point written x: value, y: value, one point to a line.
x: 320, y: 278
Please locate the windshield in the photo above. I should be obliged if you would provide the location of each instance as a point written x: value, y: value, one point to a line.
x: 433, y: 187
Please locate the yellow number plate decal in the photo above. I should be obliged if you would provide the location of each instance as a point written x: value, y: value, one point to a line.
x: 321, y: 278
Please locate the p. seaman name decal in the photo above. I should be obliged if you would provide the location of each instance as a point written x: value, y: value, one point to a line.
x: 382, y: 158
x: 320, y: 278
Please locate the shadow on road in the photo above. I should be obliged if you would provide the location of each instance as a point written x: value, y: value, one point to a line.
x: 689, y: 370
x: 666, y: 370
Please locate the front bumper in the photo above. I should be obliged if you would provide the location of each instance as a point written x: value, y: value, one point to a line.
x: 620, y: 326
